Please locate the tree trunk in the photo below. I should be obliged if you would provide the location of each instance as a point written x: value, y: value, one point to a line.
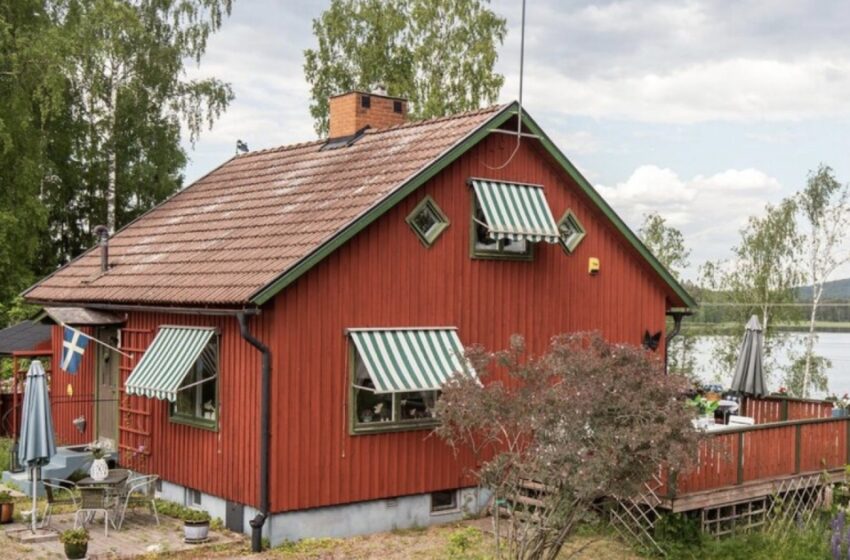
x: 817, y: 290
x: 112, y: 164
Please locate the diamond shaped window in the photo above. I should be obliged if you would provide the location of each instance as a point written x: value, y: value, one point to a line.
x: 427, y: 221
x: 571, y: 231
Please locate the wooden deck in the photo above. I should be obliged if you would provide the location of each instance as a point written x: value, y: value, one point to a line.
x: 791, y: 439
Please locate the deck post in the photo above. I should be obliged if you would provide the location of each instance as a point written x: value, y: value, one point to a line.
x: 847, y: 437
x: 798, y: 439
x: 783, y: 410
x: 740, y: 458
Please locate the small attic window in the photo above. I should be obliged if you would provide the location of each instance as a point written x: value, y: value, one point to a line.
x: 365, y: 101
x: 427, y: 221
x: 397, y: 106
x: 571, y: 230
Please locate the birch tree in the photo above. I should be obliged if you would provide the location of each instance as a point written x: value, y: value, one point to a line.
x: 825, y: 205
x: 439, y: 54
x: 760, y: 278
x: 130, y: 55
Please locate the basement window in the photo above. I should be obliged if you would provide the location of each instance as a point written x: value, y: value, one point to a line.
x: 192, y: 498
x: 444, y: 501
x: 571, y: 232
x: 427, y: 221
x: 197, y: 397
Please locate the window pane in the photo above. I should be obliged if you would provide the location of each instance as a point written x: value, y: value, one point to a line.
x: 370, y: 407
x: 199, y: 400
x: 425, y: 219
x: 418, y: 405
x: 443, y: 501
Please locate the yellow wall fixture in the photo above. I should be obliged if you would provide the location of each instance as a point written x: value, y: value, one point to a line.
x: 70, y: 390
x: 593, y: 266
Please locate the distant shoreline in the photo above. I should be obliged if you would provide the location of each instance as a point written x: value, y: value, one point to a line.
x: 708, y: 329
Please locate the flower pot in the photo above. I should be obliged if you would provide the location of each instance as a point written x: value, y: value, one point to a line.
x: 76, y: 550
x: 196, y: 531
x: 99, y: 469
x: 7, y: 512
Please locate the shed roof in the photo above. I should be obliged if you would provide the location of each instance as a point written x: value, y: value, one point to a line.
x: 26, y: 335
x: 250, y: 227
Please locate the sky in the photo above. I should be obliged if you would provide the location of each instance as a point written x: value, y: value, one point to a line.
x: 703, y: 111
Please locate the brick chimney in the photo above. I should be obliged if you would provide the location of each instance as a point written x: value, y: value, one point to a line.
x: 349, y: 112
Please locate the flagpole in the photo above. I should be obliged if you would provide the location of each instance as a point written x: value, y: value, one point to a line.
x: 81, y: 333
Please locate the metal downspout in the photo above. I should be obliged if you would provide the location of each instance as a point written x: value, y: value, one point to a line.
x: 265, y: 432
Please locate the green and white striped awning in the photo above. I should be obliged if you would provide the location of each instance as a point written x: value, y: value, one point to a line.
x: 513, y: 211
x: 167, y: 361
x: 409, y: 359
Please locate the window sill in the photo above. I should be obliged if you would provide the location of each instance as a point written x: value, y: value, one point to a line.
x: 201, y: 424
x: 480, y: 254
x: 387, y: 427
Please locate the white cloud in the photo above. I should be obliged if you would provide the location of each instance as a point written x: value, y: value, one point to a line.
x: 710, y: 210
x: 737, y: 89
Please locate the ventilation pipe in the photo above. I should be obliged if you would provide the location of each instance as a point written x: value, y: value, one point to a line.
x: 102, y: 233
x: 265, y: 433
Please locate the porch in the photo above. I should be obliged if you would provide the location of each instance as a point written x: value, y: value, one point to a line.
x: 792, y: 441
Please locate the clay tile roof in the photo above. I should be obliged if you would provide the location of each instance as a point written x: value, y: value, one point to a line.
x: 234, y: 231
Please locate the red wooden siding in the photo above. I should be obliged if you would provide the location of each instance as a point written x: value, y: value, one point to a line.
x: 779, y: 409
x: 384, y: 277
x: 223, y: 463
x: 65, y: 408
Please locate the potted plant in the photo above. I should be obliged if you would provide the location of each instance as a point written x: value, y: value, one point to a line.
x: 705, y: 409
x: 99, y: 469
x: 76, y: 542
x: 7, y: 507
x: 196, y: 526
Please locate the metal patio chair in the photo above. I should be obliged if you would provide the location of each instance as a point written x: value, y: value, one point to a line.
x: 138, y: 491
x: 92, y: 501
x: 59, y: 492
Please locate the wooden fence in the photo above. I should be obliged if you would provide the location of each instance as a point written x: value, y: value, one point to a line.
x: 764, y: 452
x: 781, y: 409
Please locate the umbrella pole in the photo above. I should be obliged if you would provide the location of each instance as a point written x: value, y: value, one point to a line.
x: 34, y: 488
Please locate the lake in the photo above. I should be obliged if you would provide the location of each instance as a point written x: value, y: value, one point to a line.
x: 833, y: 346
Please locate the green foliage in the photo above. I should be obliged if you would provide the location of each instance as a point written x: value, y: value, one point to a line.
x: 465, y: 544
x: 762, y: 275
x: 439, y: 54
x: 306, y: 547
x: 6, y: 497
x: 665, y: 242
x: 179, y: 511
x: 94, y: 96
x: 5, y: 453
x: 74, y: 536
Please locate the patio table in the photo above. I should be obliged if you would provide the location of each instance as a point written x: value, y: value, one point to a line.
x: 110, y: 488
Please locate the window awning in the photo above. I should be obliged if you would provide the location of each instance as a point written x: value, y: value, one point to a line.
x: 514, y: 211
x: 167, y: 361
x: 409, y: 359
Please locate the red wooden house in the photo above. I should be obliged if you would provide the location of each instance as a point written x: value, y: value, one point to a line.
x: 291, y: 315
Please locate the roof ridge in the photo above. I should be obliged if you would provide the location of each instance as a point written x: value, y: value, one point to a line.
x: 404, y: 125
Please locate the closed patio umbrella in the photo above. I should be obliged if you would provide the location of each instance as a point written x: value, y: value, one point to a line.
x: 37, y: 444
x: 749, y: 372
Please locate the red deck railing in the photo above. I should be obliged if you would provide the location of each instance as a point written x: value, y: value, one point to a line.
x: 791, y: 437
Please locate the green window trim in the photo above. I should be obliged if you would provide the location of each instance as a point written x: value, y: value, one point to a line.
x: 210, y: 424
x: 356, y: 427
x: 441, y: 221
x: 570, y: 222
x: 498, y: 254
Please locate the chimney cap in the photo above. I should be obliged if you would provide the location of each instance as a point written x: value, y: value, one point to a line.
x: 363, y: 92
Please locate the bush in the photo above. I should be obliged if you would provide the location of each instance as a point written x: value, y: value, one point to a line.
x: 5, y: 453
x: 172, y: 509
x: 465, y: 544
x: 74, y: 536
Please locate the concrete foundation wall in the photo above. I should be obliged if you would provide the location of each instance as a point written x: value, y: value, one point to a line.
x: 345, y: 520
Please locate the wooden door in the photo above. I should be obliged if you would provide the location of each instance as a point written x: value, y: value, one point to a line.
x: 108, y: 361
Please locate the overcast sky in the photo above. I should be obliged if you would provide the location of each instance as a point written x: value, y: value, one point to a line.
x: 700, y: 110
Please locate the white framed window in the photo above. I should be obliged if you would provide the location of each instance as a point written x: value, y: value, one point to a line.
x: 444, y: 501
x: 197, y: 397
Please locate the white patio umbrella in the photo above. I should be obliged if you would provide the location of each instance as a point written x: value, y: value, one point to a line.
x: 37, y: 444
x: 749, y: 371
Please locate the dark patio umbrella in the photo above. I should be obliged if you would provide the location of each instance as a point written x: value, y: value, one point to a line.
x: 37, y: 444
x: 749, y: 372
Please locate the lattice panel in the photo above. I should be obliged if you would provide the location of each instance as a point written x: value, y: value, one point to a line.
x: 634, y: 518
x: 795, y: 502
x: 735, y: 518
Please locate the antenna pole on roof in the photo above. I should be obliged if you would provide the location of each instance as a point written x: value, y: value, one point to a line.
x: 519, y: 113
x: 521, y: 68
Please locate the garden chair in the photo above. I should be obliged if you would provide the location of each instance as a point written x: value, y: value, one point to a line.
x: 59, y: 492
x: 92, y: 501
x: 139, y: 491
